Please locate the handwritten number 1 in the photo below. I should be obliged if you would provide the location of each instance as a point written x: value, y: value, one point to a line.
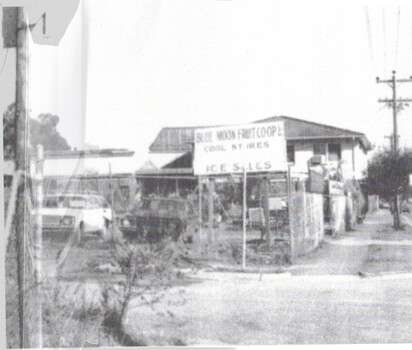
x: 44, y: 23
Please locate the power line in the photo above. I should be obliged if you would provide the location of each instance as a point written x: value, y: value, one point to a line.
x: 384, y: 37
x: 397, y: 105
x: 410, y: 49
x: 397, y: 36
x: 369, y: 32
x: 4, y: 61
x: 7, y: 50
x: 380, y: 109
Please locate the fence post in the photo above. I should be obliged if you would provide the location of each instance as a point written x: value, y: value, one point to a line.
x: 210, y: 211
x: 267, y: 211
x: 200, y: 187
x: 38, y: 255
x: 291, y: 238
x: 305, y: 230
x: 12, y: 204
x: 111, y: 188
x: 244, y: 208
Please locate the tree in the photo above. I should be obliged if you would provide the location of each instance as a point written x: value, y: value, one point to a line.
x: 8, y: 131
x: 43, y: 130
x: 388, y: 174
x: 150, y: 269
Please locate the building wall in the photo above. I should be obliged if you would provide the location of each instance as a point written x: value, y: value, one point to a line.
x: 304, y: 151
x: 337, y: 212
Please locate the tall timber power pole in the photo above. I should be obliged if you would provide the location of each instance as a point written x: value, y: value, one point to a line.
x: 396, y: 104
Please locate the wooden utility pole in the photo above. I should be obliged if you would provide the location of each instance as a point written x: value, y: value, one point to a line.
x: 390, y: 138
x: 21, y: 137
x: 396, y: 104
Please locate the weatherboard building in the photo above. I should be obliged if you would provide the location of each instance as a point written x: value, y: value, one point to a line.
x: 304, y: 139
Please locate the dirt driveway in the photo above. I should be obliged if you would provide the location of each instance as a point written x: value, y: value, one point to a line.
x: 356, y: 288
x: 373, y: 248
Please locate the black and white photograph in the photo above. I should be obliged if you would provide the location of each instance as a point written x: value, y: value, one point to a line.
x: 205, y: 173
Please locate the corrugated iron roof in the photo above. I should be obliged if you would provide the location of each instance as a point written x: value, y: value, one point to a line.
x: 181, y: 139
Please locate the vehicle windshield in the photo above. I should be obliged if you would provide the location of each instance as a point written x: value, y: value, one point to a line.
x: 68, y: 202
x: 163, y: 205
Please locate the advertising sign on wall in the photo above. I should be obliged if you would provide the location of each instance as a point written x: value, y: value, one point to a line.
x: 316, y: 181
x: 231, y: 149
x: 336, y: 188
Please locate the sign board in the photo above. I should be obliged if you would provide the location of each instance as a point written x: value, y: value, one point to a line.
x: 316, y: 181
x: 47, y: 20
x: 256, y: 216
x: 277, y: 203
x: 410, y: 179
x: 336, y: 188
x: 278, y: 188
x: 259, y: 147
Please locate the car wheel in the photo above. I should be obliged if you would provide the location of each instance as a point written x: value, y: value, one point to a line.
x: 81, y: 231
x: 105, y: 230
x: 175, y: 230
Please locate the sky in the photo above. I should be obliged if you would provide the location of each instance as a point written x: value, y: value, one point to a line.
x: 124, y: 69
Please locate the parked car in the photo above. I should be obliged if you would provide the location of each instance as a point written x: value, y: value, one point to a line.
x: 406, y: 206
x: 384, y: 204
x: 156, y: 218
x: 65, y: 213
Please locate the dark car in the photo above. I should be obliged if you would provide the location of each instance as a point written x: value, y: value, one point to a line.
x: 406, y: 206
x: 157, y: 218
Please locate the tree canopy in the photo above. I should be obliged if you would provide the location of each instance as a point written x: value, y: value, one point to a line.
x: 43, y: 130
x: 388, y: 173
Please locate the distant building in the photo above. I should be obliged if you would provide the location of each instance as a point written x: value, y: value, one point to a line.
x: 304, y: 140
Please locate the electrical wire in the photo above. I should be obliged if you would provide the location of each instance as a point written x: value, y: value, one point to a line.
x: 397, y: 36
x: 410, y: 50
x: 384, y: 38
x: 369, y: 32
x: 4, y: 61
x: 384, y: 106
x: 7, y: 49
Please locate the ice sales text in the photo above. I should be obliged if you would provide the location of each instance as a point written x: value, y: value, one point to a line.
x: 237, y: 167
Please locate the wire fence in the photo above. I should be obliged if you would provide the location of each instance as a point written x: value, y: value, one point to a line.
x: 36, y: 312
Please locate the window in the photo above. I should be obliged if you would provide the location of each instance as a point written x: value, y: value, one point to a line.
x: 290, y: 151
x: 102, y: 202
x: 334, y: 152
x: 153, y: 205
x: 92, y: 203
x: 319, y: 149
x: 50, y: 202
x: 163, y: 205
x: 190, y: 209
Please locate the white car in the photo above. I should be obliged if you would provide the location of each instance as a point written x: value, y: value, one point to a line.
x: 65, y: 213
